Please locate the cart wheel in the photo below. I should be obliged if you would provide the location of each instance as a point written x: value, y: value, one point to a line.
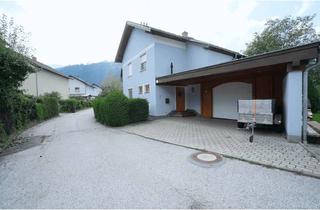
x: 240, y: 125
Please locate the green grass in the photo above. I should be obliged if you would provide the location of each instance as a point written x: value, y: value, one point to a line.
x: 316, y: 117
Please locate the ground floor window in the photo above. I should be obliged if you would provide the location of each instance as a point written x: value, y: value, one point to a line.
x: 147, y: 88
x: 130, y: 92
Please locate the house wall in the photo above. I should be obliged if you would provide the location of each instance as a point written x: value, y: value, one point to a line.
x: 73, y: 83
x: 292, y: 102
x: 160, y: 53
x: 43, y: 81
x: 96, y: 90
x: 198, y: 57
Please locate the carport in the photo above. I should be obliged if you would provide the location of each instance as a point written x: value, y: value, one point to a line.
x: 279, y: 75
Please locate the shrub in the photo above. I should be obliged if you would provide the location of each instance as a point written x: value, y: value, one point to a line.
x: 113, y: 109
x: 68, y: 105
x: 138, y: 109
x: 3, y: 135
x: 40, y: 111
x: 51, y: 106
x: 97, y: 103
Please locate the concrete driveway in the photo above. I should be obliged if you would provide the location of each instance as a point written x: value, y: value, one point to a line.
x: 83, y: 164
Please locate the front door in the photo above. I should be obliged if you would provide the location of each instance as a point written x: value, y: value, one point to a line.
x: 180, y: 99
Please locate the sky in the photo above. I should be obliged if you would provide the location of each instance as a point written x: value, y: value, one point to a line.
x: 86, y: 31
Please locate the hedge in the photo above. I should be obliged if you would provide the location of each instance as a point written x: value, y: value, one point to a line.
x: 138, y: 110
x: 51, y: 106
x: 40, y: 111
x: 74, y: 104
x: 115, y: 109
x: 3, y: 135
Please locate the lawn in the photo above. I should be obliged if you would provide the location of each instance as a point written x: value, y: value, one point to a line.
x: 316, y: 117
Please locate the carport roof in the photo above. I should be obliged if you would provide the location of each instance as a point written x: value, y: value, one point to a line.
x: 296, y: 55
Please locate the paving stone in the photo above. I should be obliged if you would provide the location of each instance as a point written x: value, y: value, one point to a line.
x: 224, y: 137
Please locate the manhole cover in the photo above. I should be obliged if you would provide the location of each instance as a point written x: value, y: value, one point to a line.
x: 206, y: 158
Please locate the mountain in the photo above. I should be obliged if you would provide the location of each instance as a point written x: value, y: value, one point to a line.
x: 94, y: 72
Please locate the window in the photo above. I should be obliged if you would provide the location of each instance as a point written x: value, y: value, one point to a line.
x: 129, y: 70
x: 140, y: 89
x: 143, y: 62
x: 147, y: 88
x: 77, y: 89
x: 130, y: 92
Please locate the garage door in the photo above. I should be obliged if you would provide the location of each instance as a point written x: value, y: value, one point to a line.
x: 226, y: 96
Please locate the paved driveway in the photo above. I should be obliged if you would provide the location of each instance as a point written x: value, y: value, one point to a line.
x: 83, y: 164
x: 222, y: 136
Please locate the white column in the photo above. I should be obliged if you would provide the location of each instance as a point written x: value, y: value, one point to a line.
x: 292, y: 101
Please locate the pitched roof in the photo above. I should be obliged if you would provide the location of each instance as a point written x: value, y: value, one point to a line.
x: 131, y: 25
x: 45, y: 67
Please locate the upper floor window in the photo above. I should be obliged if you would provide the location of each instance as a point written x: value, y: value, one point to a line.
x: 147, y: 88
x: 140, y: 89
x: 129, y: 70
x: 143, y: 62
x: 77, y: 89
x: 130, y: 92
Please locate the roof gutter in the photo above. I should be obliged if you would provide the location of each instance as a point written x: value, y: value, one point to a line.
x: 305, y: 98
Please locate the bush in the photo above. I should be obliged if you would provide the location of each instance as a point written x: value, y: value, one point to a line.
x: 74, y: 104
x: 51, y: 106
x: 68, y: 105
x: 40, y: 111
x: 138, y: 110
x: 113, y: 109
x: 3, y: 135
x: 16, y: 110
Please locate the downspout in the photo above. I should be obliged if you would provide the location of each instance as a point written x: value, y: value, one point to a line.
x: 305, y: 98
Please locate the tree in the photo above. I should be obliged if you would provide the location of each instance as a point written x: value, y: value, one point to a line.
x: 111, y: 83
x: 14, y: 36
x: 285, y: 33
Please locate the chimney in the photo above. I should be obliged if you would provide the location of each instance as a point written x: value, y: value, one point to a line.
x: 185, y: 34
x: 34, y: 58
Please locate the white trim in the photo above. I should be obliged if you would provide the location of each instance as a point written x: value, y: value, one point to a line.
x: 143, y: 51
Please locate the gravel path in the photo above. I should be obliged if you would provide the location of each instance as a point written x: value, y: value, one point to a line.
x: 83, y: 164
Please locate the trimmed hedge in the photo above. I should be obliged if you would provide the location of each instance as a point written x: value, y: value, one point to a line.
x: 138, y: 109
x: 68, y: 105
x: 3, y: 135
x: 51, y: 107
x: 115, y: 109
x: 74, y: 104
x: 40, y: 111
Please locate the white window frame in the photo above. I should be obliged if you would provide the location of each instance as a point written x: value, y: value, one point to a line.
x: 77, y: 89
x: 129, y: 93
x: 143, y: 62
x: 140, y: 92
x: 130, y: 70
x: 145, y: 89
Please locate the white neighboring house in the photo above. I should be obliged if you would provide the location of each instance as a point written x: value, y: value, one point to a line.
x: 45, y: 80
x: 81, y: 88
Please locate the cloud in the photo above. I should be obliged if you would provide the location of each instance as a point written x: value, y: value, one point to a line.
x: 305, y: 5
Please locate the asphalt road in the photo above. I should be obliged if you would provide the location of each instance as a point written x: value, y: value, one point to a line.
x: 83, y: 164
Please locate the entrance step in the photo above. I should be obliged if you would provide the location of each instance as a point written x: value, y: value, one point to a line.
x: 187, y: 113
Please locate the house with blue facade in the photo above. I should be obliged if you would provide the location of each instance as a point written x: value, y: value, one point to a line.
x: 178, y: 73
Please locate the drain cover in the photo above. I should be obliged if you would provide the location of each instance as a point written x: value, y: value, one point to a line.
x: 206, y: 158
